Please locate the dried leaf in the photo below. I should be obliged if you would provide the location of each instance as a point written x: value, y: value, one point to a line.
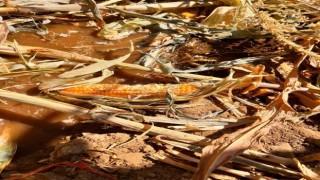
x: 50, y: 64
x: 213, y: 157
x: 311, y: 157
x: 281, y: 101
x: 99, y: 66
x: 8, y: 145
x: 284, y: 69
x: 7, y: 151
x: 309, y: 100
x: 234, y: 2
x: 221, y: 65
x: 96, y: 12
x: 121, y: 29
x: 255, y: 81
x: 223, y: 16
x: 57, y: 84
x: 4, y: 30
x: 308, y: 173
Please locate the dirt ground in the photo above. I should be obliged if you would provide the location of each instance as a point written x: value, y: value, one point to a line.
x: 114, y: 150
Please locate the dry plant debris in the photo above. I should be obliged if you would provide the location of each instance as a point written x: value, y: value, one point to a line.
x: 221, y: 89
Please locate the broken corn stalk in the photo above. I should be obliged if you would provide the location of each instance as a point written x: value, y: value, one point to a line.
x: 131, y: 91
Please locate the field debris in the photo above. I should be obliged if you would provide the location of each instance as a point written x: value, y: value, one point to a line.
x: 202, y: 88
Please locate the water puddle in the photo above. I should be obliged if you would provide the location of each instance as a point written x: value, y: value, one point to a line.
x: 33, y: 127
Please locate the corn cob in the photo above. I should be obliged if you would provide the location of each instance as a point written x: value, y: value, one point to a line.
x: 131, y: 91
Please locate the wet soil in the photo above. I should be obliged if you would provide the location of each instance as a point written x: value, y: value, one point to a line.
x: 45, y: 136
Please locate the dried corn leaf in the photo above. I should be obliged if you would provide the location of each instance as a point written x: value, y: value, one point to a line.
x: 16, y: 67
x: 121, y: 29
x: 7, y: 151
x: 308, y: 173
x: 281, y: 101
x: 219, y: 33
x: 228, y: 104
x: 314, y: 62
x: 4, y: 30
x: 290, y: 84
x: 8, y: 146
x: 212, y: 157
x: 255, y: 81
x: 96, y: 12
x: 311, y: 157
x: 309, y: 100
x: 250, y: 81
x: 49, y: 64
x: 223, y: 16
x: 58, y: 84
x: 26, y: 73
x: 236, y: 172
x: 239, y: 16
x: 286, y: 172
x: 221, y: 65
x: 35, y: 2
x: 284, y: 69
x: 93, y: 68
x: 234, y: 2
x: 165, y: 159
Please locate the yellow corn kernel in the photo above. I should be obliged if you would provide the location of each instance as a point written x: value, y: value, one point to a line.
x: 131, y: 91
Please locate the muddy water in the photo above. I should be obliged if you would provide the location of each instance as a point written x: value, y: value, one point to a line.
x: 33, y: 127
